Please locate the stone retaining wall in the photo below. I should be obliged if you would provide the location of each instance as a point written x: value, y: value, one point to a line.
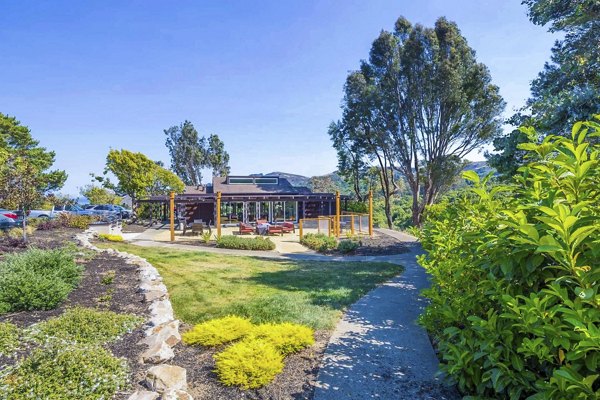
x: 164, y: 381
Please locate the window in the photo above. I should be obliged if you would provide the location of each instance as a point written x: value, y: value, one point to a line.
x: 266, y: 181
x: 239, y: 181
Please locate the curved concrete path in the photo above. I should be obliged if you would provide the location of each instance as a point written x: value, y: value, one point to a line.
x: 377, y: 350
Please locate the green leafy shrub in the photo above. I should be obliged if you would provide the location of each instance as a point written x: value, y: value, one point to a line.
x: 85, y: 325
x: 347, y: 246
x: 110, y: 238
x: 319, y: 242
x: 218, y: 331
x: 63, y: 220
x: 514, y: 302
x: 9, y: 338
x: 65, y: 373
x: 206, y: 237
x: 287, y: 338
x: 16, y: 233
x: 37, y: 279
x: 250, y: 363
x: 238, y: 243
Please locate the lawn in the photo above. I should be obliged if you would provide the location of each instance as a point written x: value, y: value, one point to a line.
x: 203, y: 286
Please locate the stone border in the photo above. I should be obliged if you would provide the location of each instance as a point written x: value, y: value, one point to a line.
x: 164, y: 381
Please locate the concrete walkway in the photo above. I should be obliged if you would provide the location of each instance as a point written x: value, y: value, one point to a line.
x: 377, y: 351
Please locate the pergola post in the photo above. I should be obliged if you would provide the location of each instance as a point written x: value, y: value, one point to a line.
x: 218, y: 219
x: 337, y: 213
x: 370, y: 213
x: 172, y: 215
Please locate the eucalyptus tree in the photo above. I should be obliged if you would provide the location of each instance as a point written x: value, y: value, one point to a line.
x: 190, y: 153
x: 419, y: 105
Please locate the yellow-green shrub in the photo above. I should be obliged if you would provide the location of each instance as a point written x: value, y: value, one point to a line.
x: 9, y: 338
x: 218, y: 331
x: 251, y: 363
x: 110, y: 238
x: 287, y: 338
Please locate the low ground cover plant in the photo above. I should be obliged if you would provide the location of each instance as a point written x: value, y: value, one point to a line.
x: 239, y: 243
x: 218, y: 331
x: 257, y: 356
x: 37, y: 279
x: 84, y: 325
x: 65, y: 373
x: 110, y: 237
x: 63, y: 220
x: 9, y: 338
x: 250, y: 364
x: 319, y: 242
x: 514, y: 301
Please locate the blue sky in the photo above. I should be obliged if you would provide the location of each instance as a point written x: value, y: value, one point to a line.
x: 266, y: 76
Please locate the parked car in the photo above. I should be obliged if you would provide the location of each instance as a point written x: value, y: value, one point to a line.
x: 7, y: 222
x: 55, y: 211
x: 17, y: 215
x: 105, y: 210
x: 125, y: 213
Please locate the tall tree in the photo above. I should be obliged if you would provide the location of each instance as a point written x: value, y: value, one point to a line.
x: 218, y: 158
x: 137, y: 176
x: 568, y: 88
x: 25, y: 175
x: 419, y: 105
x: 190, y: 153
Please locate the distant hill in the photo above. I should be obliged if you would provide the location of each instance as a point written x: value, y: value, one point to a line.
x: 480, y: 167
x: 295, y: 180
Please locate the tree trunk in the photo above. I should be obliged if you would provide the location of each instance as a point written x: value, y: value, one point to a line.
x: 388, y: 211
x: 24, y: 224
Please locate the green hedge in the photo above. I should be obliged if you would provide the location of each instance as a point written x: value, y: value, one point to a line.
x: 319, y: 242
x: 239, y: 243
x: 514, y: 303
x: 37, y: 279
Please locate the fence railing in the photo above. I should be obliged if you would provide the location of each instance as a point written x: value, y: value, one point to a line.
x: 349, y: 223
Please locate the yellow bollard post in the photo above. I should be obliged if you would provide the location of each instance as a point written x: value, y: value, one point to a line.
x: 337, y: 214
x: 218, y: 215
x: 370, y: 213
x: 300, y: 229
x: 172, y: 215
x: 352, y: 224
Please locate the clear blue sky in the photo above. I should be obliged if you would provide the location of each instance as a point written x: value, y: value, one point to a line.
x: 266, y: 76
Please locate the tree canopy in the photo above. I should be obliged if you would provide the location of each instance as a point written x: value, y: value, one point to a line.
x: 190, y: 153
x: 418, y: 105
x: 138, y: 176
x: 25, y: 174
x: 100, y: 195
x: 568, y: 88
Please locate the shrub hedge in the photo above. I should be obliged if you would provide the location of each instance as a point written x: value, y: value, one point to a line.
x: 347, y: 246
x: 514, y: 301
x: 319, y: 242
x: 287, y: 338
x: 37, y: 279
x: 218, y: 331
x: 239, y: 243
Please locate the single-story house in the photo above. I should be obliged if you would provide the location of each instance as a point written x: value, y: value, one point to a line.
x: 248, y: 199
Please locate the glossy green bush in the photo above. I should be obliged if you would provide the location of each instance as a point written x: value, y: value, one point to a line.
x: 65, y: 373
x: 239, y: 243
x: 347, y: 246
x: 319, y: 242
x: 37, y: 279
x: 514, y: 303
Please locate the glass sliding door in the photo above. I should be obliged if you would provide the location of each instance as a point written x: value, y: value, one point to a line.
x: 264, y: 210
x: 291, y: 211
x: 232, y: 212
x: 278, y: 211
x: 251, y: 212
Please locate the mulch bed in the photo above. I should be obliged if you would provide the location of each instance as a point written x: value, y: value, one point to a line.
x: 380, y: 245
x: 295, y: 382
x: 119, y: 296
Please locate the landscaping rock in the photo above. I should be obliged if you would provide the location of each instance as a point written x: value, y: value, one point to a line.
x: 162, y: 378
x: 158, y: 353
x: 154, y: 295
x: 161, y: 312
x: 176, y: 395
x: 167, y: 332
x: 143, y: 395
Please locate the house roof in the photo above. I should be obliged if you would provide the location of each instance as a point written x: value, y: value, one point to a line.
x: 283, y: 186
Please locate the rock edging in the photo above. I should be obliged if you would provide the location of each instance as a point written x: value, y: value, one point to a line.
x: 164, y: 381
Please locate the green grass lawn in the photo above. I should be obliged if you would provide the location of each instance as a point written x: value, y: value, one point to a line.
x: 206, y: 285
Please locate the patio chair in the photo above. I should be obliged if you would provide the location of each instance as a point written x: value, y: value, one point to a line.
x: 288, y: 227
x: 275, y: 230
x: 246, y: 228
